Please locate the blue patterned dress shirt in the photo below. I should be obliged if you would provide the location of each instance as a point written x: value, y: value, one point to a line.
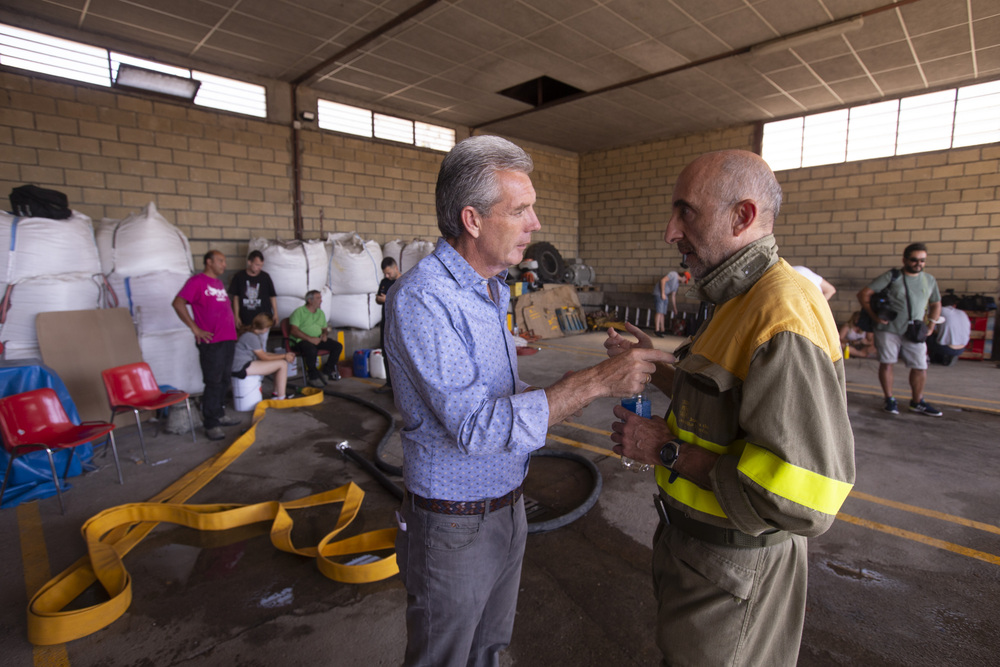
x: 469, y: 424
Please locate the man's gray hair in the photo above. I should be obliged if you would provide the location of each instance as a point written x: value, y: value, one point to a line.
x: 745, y: 175
x: 468, y: 178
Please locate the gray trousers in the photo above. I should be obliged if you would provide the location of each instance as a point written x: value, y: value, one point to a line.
x: 727, y: 605
x: 461, y: 575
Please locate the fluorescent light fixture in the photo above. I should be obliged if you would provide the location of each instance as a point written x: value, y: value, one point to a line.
x: 138, y: 78
x: 797, y: 39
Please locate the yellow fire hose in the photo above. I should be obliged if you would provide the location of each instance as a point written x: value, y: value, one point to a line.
x: 114, y: 532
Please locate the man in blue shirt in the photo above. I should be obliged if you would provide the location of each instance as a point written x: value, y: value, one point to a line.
x: 470, y: 422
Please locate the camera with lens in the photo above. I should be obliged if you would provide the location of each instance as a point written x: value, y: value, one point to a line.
x: 880, y: 305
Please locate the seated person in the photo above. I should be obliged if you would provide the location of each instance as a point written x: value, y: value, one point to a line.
x: 252, y: 358
x: 951, y: 334
x: 862, y: 343
x: 308, y: 334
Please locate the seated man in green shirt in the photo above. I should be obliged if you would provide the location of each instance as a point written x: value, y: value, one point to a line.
x: 309, y: 334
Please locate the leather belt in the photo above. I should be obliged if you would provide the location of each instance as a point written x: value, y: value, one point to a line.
x: 726, y: 537
x: 465, y: 507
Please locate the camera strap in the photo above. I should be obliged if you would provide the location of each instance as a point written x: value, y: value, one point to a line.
x: 909, y: 311
x: 883, y: 294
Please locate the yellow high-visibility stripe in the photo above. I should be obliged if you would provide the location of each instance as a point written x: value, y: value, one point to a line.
x: 689, y: 436
x: 799, y: 485
x: 689, y: 493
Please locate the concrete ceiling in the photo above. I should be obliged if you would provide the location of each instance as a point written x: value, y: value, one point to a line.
x: 639, y: 59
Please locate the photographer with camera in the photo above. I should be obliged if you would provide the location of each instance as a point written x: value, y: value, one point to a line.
x: 900, y: 324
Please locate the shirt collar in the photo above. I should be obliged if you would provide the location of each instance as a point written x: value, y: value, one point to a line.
x: 459, y: 268
x: 738, y: 273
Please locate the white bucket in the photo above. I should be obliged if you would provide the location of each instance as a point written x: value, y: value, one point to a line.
x: 376, y: 364
x: 246, y: 392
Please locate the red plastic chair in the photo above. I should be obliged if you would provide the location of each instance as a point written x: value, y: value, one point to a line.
x: 36, y: 420
x: 133, y: 387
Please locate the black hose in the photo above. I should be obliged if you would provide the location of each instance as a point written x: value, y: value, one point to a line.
x: 584, y: 507
x: 379, y: 461
x: 533, y: 527
x: 392, y: 487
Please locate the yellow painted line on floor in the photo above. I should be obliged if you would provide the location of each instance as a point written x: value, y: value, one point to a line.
x: 562, y: 348
x: 923, y: 539
x: 35, y: 560
x: 930, y: 394
x: 877, y: 391
x: 584, y: 427
x: 582, y: 445
x: 860, y: 495
x: 978, y: 525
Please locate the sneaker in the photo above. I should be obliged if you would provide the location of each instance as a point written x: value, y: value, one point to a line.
x: 384, y: 389
x: 334, y: 375
x: 215, y: 433
x: 891, y: 406
x: 226, y: 420
x: 659, y: 334
x: 316, y: 382
x: 925, y: 408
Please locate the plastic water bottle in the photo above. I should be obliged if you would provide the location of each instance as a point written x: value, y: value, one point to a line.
x: 640, y: 405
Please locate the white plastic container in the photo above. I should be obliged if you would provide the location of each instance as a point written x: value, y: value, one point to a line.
x: 246, y: 392
x: 376, y: 364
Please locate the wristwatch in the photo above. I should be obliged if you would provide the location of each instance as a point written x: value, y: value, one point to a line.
x: 668, y: 457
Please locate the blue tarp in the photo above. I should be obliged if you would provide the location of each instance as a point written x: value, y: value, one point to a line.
x: 30, y: 477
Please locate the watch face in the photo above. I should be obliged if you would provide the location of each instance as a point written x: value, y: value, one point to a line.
x: 668, y: 454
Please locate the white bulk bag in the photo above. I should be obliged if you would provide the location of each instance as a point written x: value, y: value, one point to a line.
x: 394, y: 249
x: 149, y: 299
x: 295, y: 267
x: 355, y: 265
x: 414, y: 251
x: 142, y: 243
x: 287, y: 304
x: 46, y: 294
x: 42, y: 247
x: 21, y: 350
x: 173, y: 357
x: 359, y: 311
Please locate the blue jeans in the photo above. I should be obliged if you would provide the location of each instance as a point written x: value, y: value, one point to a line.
x: 461, y: 575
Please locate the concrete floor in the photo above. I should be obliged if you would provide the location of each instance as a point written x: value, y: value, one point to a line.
x: 909, y: 576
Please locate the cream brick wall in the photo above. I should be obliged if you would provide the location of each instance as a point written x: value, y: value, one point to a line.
x: 625, y: 203
x: 848, y: 222
x: 223, y: 178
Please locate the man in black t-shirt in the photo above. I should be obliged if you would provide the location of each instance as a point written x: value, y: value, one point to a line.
x: 391, y: 272
x: 252, y: 291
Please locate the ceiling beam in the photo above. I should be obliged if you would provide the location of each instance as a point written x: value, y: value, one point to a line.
x: 370, y: 37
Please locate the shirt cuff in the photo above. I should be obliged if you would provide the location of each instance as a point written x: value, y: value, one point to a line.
x: 530, y: 421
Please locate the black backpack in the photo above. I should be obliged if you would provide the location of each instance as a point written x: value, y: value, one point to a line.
x: 31, y: 201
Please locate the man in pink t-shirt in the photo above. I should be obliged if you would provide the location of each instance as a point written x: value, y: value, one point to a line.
x: 214, y: 330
